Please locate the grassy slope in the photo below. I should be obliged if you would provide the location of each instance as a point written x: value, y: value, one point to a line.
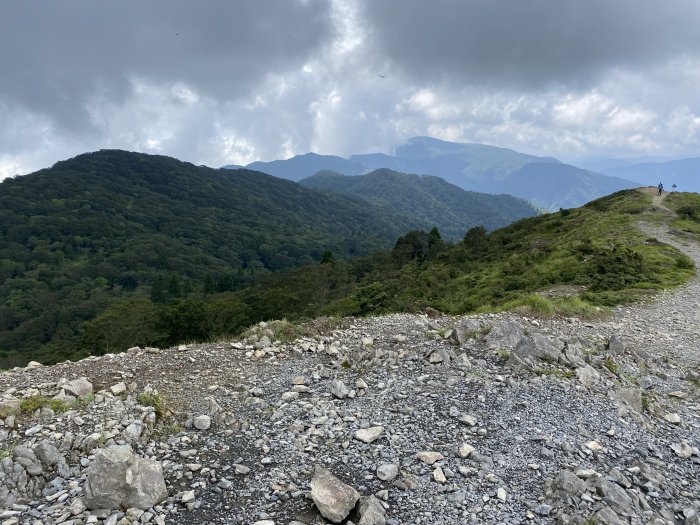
x: 596, y: 248
x: 687, y: 206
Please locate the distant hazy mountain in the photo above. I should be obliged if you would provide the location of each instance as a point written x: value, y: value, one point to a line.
x: 684, y: 173
x: 544, y: 181
x: 429, y: 199
x: 303, y: 166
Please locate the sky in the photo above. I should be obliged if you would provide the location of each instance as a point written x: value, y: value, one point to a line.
x: 217, y: 82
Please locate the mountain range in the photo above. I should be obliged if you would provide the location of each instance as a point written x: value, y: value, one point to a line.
x: 430, y: 200
x: 544, y: 181
x: 94, y: 231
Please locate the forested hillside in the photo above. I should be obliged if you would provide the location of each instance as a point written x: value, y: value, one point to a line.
x: 431, y: 200
x: 93, y: 230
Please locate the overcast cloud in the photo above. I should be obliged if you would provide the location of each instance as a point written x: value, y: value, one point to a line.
x: 216, y: 82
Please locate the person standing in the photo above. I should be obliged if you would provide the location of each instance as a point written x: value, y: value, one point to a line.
x: 661, y: 188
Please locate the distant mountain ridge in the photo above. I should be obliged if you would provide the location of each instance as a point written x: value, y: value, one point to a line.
x: 544, y: 181
x: 429, y: 199
x: 684, y: 173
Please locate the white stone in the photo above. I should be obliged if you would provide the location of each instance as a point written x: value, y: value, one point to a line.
x: 429, y: 456
x: 465, y: 450
x: 202, y: 422
x: 594, y: 446
x: 673, y: 418
x: 367, y: 435
x: 387, y: 472
x: 439, y: 475
x: 118, y: 389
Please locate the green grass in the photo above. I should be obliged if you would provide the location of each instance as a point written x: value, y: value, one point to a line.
x: 286, y: 331
x: 596, y: 249
x: 31, y: 404
x: 164, y: 430
x: 6, y: 452
x: 155, y: 400
x: 687, y: 206
x: 556, y: 372
x: 610, y: 365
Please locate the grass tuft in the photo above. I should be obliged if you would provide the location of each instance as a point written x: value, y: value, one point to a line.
x: 155, y: 400
x: 31, y: 404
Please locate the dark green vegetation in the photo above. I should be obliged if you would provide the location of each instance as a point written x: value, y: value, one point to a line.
x: 104, y: 236
x: 687, y: 206
x: 587, y: 257
x: 430, y: 200
x: 112, y: 249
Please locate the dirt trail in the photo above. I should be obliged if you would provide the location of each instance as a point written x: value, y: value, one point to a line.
x: 668, y: 327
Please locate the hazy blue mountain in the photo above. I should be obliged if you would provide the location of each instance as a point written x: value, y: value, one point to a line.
x: 302, y: 166
x: 684, y: 173
x: 553, y: 186
x: 545, y: 181
x: 429, y: 199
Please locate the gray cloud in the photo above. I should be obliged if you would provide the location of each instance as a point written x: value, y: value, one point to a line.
x: 62, y: 55
x: 531, y: 43
x: 216, y: 82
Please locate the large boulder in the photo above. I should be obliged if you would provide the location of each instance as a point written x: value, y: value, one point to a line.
x: 48, y: 454
x: 569, y: 483
x: 466, y: 329
x: 118, y: 478
x: 80, y: 387
x: 333, y: 498
x: 506, y: 334
x: 538, y: 346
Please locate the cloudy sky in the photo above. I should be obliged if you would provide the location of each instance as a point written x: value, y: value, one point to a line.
x: 220, y: 82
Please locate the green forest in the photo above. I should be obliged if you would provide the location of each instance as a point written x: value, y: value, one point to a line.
x: 113, y: 249
x: 431, y: 200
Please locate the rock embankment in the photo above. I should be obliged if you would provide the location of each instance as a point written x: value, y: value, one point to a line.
x: 403, y: 419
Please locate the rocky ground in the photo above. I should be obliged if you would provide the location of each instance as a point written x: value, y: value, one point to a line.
x: 417, y: 419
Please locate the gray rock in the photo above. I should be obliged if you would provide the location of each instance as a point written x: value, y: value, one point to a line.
x: 387, y: 472
x: 505, y: 334
x: 587, y: 375
x: 616, y: 346
x: 80, y: 387
x: 607, y: 516
x: 371, y: 511
x: 629, y: 398
x: 572, y: 356
x: 118, y: 478
x: 538, y: 346
x: 568, y: 482
x: 466, y: 329
x: 202, y: 422
x: 118, y: 389
x: 8, y: 407
x: 333, y: 498
x: 615, y: 496
x: 47, y: 453
x: 133, y: 431
x: 339, y: 390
